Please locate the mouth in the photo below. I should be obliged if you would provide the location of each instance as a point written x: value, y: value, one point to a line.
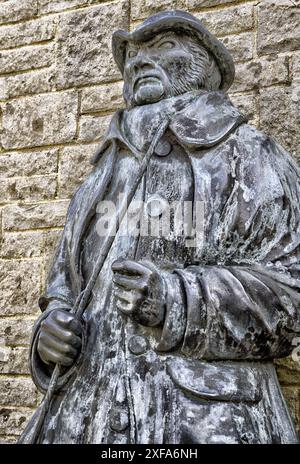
x: 145, y: 79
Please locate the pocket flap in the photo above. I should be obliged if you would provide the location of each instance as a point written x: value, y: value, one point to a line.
x: 219, y: 381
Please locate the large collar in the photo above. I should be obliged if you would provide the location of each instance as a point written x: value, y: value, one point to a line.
x: 202, y: 123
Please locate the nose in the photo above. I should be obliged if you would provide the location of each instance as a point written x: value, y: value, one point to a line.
x: 141, y: 62
x: 141, y: 65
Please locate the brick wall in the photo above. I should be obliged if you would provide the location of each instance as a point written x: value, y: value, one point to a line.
x: 58, y: 89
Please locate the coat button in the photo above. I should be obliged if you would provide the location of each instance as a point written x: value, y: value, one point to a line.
x: 138, y: 344
x: 163, y: 148
x: 156, y: 205
x: 119, y: 420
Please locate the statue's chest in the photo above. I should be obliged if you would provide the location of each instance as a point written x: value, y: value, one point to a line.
x: 177, y: 194
x: 168, y: 200
x: 184, y: 196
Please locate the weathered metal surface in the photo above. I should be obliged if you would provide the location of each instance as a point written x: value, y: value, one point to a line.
x: 178, y: 341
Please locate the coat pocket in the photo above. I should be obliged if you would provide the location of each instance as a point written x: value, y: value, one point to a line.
x: 217, y: 381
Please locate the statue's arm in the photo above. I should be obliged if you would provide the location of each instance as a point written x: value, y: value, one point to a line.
x: 250, y: 307
x: 59, y: 297
x: 233, y: 312
x: 58, y: 334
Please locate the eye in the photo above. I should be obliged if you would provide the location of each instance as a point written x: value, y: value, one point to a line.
x: 167, y: 44
x: 131, y: 53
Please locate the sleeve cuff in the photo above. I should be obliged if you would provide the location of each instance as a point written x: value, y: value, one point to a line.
x: 175, y: 315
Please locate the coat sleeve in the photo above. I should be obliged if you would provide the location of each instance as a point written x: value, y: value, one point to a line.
x: 62, y: 287
x: 245, y: 304
x: 64, y: 282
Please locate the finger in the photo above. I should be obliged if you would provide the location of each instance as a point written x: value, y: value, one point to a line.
x: 68, y: 321
x: 126, y: 308
x: 130, y: 267
x: 49, y: 341
x: 138, y: 284
x: 62, y: 334
x: 127, y: 296
x: 51, y: 355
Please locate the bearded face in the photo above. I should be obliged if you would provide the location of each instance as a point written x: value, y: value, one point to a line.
x: 165, y: 66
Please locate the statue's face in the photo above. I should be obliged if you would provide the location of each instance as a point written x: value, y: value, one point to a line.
x: 160, y: 68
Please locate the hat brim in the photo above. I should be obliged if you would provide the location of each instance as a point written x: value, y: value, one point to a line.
x: 177, y: 23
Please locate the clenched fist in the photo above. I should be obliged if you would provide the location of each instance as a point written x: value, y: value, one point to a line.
x: 137, y: 289
x: 60, y: 338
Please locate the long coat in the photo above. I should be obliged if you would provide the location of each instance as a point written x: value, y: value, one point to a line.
x: 205, y: 375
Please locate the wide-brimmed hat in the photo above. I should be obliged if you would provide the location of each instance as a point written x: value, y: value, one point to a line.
x: 178, y: 21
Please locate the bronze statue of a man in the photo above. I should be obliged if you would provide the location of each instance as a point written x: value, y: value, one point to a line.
x: 178, y: 335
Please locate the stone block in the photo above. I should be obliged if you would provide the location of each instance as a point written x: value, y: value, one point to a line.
x: 38, y: 30
x: 13, y: 420
x: 240, y: 46
x: 16, y: 331
x: 280, y: 115
x: 278, y: 27
x: 20, y: 286
x: 295, y: 67
x: 208, y: 3
x: 26, y: 58
x: 34, y: 216
x: 16, y: 10
x: 39, y: 81
x: 17, y: 362
x: 36, y: 188
x: 21, y: 245
x: 53, y: 6
x: 247, y: 104
x: 17, y: 391
x: 51, y: 241
x: 93, y: 128
x: 40, y: 120
x: 102, y: 98
x: 18, y: 164
x: 74, y: 167
x: 93, y: 63
x: 141, y: 9
x: 292, y: 396
x: 261, y: 73
x: 228, y: 21
x: 288, y: 371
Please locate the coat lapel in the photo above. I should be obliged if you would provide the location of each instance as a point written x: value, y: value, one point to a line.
x: 206, y: 121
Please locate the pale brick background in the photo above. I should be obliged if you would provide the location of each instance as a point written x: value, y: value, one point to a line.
x: 58, y: 89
